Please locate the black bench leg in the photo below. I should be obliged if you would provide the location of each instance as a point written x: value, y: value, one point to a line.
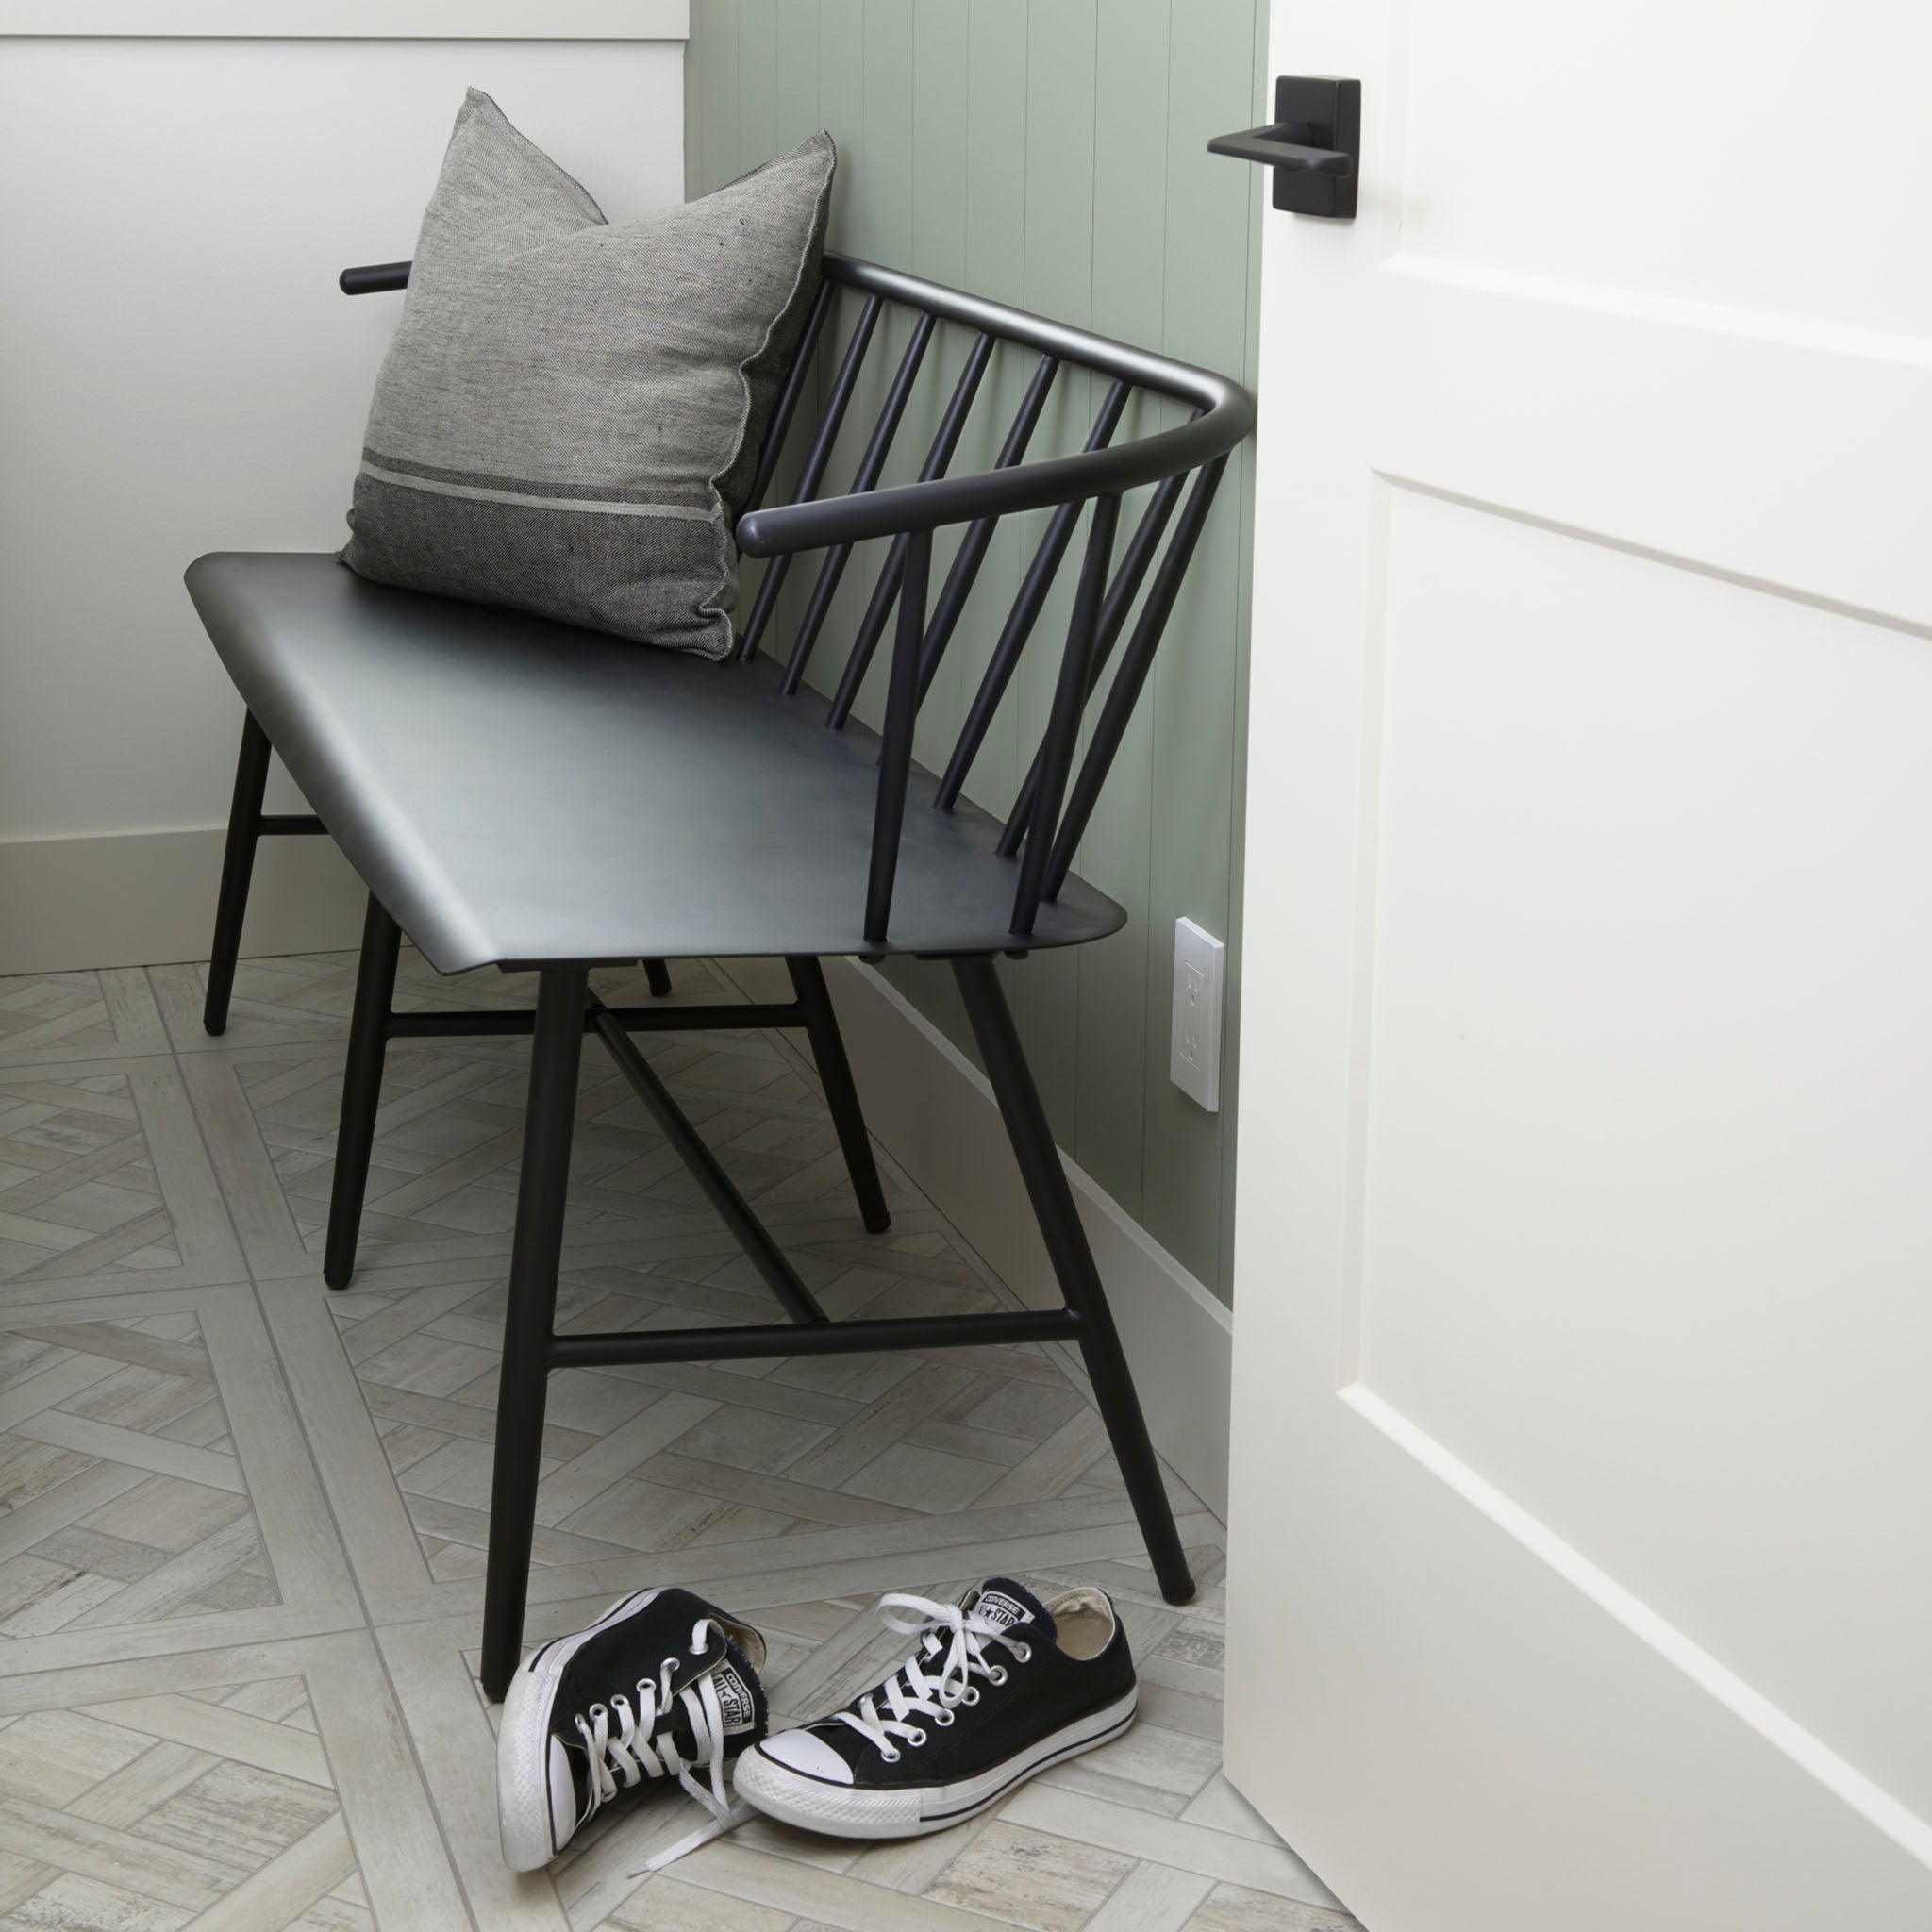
x: 1072, y: 1263
x: 548, y: 1115
x: 238, y: 867
x: 657, y: 977
x: 375, y: 990
x: 842, y: 1094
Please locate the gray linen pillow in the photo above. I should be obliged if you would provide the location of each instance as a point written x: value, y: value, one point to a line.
x: 571, y: 412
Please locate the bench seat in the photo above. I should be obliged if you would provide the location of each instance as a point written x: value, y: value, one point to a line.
x: 518, y: 791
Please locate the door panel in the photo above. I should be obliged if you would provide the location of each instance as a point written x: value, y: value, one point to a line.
x: 1643, y: 1123
x: 1580, y: 1573
x: 1751, y: 157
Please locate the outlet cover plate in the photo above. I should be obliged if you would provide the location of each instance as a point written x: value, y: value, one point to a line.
x: 1199, y: 973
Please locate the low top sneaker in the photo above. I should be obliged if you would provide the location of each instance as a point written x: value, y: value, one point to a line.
x: 998, y: 1686
x: 662, y: 1685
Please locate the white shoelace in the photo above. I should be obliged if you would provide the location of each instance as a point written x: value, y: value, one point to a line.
x: 964, y: 1634
x: 624, y: 1756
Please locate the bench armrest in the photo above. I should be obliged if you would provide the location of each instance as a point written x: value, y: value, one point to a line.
x: 825, y: 521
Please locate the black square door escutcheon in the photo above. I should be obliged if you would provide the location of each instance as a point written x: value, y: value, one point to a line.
x: 1314, y: 144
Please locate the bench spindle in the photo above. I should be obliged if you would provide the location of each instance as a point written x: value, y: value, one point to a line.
x: 1135, y: 661
x: 895, y: 755
x: 865, y: 478
x: 814, y: 469
x: 1023, y: 617
x: 885, y: 593
x: 788, y: 396
x: 973, y: 546
x: 1113, y: 613
x: 1069, y: 701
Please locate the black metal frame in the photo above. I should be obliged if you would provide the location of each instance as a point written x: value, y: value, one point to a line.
x: 1042, y: 833
x: 532, y: 1347
x: 247, y: 823
x: 374, y: 1023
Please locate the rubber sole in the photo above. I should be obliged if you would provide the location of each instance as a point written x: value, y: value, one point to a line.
x: 523, y: 1742
x: 815, y: 1803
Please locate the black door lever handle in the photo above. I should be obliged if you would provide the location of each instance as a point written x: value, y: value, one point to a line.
x: 1276, y: 146
x: 1314, y: 145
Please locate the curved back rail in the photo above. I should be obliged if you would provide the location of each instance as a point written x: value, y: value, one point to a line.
x: 1057, y: 801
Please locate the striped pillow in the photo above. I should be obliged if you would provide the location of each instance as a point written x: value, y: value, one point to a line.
x: 571, y: 412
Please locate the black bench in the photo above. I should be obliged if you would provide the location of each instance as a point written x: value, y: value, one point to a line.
x: 533, y: 796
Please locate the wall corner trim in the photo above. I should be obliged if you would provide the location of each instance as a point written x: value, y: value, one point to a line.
x: 933, y: 1111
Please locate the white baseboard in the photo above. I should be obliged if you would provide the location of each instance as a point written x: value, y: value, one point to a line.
x: 145, y: 898
x: 934, y: 1111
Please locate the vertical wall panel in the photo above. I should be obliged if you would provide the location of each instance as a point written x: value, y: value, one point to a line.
x: 841, y: 107
x: 1194, y: 722
x: 1050, y: 154
x: 940, y: 36
x: 889, y: 145
x: 757, y: 56
x: 1129, y: 252
x: 1060, y: 79
x: 718, y: 92
x: 795, y: 86
x: 796, y: 115
x: 701, y: 30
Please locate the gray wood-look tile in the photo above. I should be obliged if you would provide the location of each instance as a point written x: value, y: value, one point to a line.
x: 50, y: 1017
x: 1020, y: 1877
x: 261, y: 1786
x: 1229, y: 1908
x: 1152, y: 1898
x: 105, y: 1182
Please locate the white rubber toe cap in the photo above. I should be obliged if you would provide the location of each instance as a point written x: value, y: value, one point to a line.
x: 802, y: 1750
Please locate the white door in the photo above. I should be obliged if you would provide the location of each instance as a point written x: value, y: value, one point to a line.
x: 1582, y: 1503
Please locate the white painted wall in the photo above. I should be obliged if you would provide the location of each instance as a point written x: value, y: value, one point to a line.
x: 178, y: 374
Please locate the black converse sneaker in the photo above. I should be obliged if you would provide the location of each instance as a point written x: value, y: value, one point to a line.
x: 998, y: 1686
x: 662, y: 1685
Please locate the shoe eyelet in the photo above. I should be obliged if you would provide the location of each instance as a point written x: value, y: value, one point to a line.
x: 1023, y: 1653
x: 889, y: 1756
x: 997, y: 1674
x: 916, y: 1738
x: 942, y: 1718
x: 971, y: 1694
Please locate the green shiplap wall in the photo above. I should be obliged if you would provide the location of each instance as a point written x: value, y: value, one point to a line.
x: 1051, y: 154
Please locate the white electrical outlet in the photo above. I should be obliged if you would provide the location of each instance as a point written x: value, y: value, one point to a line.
x: 1194, y: 1059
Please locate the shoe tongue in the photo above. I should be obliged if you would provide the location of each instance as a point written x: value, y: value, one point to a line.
x: 1001, y: 1600
x: 741, y: 1696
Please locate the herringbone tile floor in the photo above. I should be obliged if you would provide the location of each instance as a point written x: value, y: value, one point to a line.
x: 242, y: 1546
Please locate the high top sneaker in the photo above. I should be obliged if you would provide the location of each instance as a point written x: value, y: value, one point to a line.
x: 999, y: 1685
x: 662, y: 1685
